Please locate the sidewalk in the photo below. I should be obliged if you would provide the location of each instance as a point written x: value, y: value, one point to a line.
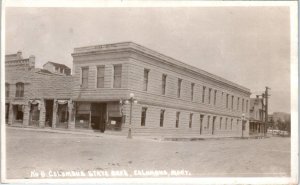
x: 112, y: 135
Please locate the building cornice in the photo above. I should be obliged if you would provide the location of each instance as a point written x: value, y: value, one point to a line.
x: 143, y: 51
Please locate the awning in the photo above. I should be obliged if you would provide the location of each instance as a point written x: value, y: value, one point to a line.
x: 62, y: 102
x: 35, y: 102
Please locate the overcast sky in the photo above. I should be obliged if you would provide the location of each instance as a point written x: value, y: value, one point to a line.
x: 249, y: 46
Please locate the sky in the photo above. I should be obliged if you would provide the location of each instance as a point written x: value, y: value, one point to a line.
x: 249, y: 46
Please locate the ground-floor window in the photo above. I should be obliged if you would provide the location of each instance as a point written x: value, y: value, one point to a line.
x: 143, y: 116
x: 114, y: 123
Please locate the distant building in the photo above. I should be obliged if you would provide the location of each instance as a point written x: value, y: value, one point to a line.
x: 279, y: 117
x: 257, y: 116
x: 57, y: 68
x: 35, y: 97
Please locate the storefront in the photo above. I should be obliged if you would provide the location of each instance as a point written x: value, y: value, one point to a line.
x: 98, y: 116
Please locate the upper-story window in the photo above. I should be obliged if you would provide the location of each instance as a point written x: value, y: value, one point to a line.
x: 243, y: 105
x: 145, y: 84
x: 227, y: 101
x: 100, y: 76
x: 179, y: 87
x: 84, y: 77
x: 246, y: 105
x: 203, y: 94
x: 6, y: 90
x: 209, y: 95
x: 215, y: 97
x: 192, y: 91
x: 220, y: 125
x: 20, y: 89
x: 238, y: 103
x: 117, y: 76
x: 232, y: 99
x: 163, y: 84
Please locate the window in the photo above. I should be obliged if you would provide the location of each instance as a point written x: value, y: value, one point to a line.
x: 56, y: 69
x: 191, y: 120
x: 117, y: 76
x: 192, y: 91
x: 222, y: 98
x: 179, y: 87
x: 201, y: 121
x: 177, y: 119
x: 238, y: 103
x: 143, y: 117
x: 163, y: 84
x: 100, y: 76
x: 209, y: 94
x: 208, y: 119
x: 215, y: 97
x: 220, y: 125
x: 162, y: 116
x: 20, y: 89
x: 232, y: 98
x: 6, y: 90
x: 227, y: 101
x: 84, y: 77
x: 231, y: 124
x: 242, y: 105
x: 226, y: 123
x: 246, y: 105
x: 203, y: 94
x: 146, y: 74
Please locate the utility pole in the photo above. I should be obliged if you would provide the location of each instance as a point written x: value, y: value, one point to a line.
x: 266, y: 109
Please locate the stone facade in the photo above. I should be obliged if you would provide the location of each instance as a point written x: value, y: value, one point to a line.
x: 173, y: 98
x: 219, y: 103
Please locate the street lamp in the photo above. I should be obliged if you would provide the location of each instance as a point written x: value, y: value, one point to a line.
x: 243, y: 124
x: 132, y: 101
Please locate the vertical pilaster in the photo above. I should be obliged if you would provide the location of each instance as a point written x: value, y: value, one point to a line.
x: 26, y: 113
x: 71, y: 121
x: 54, y: 116
x: 42, y: 114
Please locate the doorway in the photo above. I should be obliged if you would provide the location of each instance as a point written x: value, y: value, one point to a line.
x: 18, y: 114
x: 6, y: 112
x: 49, y: 113
x: 98, y: 116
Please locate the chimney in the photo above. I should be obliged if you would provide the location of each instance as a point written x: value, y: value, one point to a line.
x: 32, y: 61
x: 19, y: 55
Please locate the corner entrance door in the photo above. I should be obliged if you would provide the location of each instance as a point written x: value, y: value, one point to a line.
x: 98, y: 116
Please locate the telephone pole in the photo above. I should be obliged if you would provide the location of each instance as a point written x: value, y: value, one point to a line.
x: 266, y: 95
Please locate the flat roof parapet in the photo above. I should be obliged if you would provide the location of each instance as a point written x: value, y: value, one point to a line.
x: 163, y: 58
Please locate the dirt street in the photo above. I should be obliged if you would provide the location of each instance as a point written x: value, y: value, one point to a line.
x: 59, y: 155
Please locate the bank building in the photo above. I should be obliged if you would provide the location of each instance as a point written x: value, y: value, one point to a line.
x: 114, y: 88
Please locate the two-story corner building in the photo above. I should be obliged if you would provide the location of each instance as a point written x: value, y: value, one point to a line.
x: 173, y: 98
x: 35, y: 97
x: 257, y: 116
x: 57, y: 68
